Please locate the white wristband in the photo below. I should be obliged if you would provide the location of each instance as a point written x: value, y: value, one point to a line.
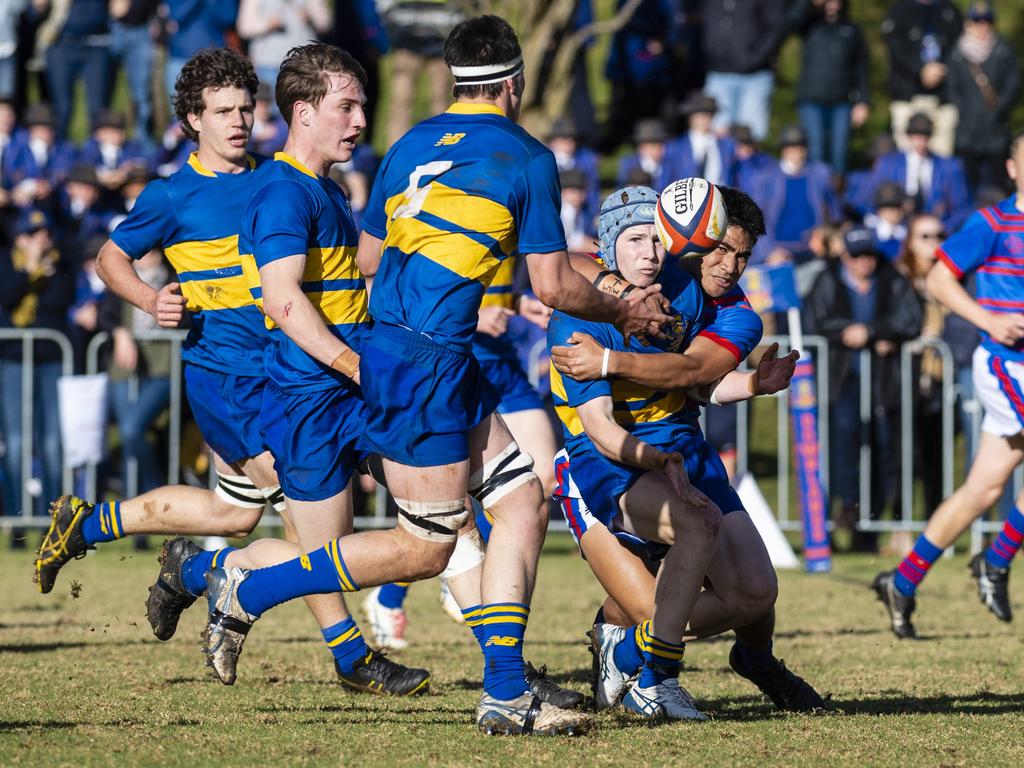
x: 604, y: 362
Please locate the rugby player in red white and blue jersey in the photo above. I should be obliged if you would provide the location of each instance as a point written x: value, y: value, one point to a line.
x: 991, y: 246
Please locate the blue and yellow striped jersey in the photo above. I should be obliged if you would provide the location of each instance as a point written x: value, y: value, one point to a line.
x: 294, y: 211
x: 194, y: 216
x: 651, y: 416
x: 656, y: 417
x: 453, y: 199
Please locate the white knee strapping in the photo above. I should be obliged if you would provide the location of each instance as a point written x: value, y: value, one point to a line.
x: 501, y: 475
x: 468, y: 554
x: 435, y: 521
x: 240, y: 491
x: 275, y: 498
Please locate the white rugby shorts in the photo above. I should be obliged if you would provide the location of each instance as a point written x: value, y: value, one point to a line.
x: 999, y: 387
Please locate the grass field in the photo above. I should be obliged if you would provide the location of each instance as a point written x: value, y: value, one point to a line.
x: 83, y: 682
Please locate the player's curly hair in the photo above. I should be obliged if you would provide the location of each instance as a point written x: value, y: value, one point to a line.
x: 743, y: 212
x: 304, y: 75
x: 209, y: 68
x: 480, y: 41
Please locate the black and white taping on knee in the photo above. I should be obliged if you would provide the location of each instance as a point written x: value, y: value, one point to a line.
x: 434, y: 521
x: 240, y: 491
x: 501, y: 475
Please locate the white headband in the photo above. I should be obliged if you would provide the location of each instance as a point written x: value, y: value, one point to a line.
x: 487, y: 73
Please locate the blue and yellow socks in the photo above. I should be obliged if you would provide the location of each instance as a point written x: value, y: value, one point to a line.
x: 346, y: 643
x: 1001, y: 551
x: 104, y: 524
x: 915, y: 566
x: 504, y: 626
x: 627, y: 654
x: 662, y: 659
x: 475, y: 623
x: 393, y: 595
x: 320, y: 572
x: 193, y: 570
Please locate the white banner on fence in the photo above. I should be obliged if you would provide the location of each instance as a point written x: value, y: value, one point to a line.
x: 781, y: 553
x: 83, y: 417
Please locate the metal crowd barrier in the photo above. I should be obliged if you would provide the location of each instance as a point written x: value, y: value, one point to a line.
x: 28, y: 337
x: 787, y: 514
x: 174, y: 338
x: 819, y: 344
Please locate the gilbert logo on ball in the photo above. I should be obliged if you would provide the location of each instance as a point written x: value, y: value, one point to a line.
x: 691, y: 218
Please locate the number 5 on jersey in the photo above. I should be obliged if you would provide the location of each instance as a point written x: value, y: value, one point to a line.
x: 416, y: 196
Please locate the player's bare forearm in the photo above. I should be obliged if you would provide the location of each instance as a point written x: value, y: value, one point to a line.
x: 574, y: 294
x: 664, y: 370
x: 702, y: 363
x: 369, y: 254
x: 590, y: 269
x: 561, y: 287
x: 945, y: 288
x: 615, y: 442
x: 735, y: 388
x: 773, y: 374
x: 115, y: 269
x: 286, y: 304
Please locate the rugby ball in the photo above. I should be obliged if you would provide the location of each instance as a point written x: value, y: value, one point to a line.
x: 690, y: 218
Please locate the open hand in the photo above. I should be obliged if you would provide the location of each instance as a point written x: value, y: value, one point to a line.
x: 773, y: 374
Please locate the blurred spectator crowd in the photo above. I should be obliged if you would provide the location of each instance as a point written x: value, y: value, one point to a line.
x: 691, y: 87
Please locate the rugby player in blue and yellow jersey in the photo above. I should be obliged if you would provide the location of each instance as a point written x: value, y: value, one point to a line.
x: 298, y: 241
x: 634, y: 448
x: 522, y: 410
x: 194, y: 216
x: 454, y: 197
x: 740, y: 590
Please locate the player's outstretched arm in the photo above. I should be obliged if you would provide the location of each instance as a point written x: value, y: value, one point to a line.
x: 773, y: 374
x: 286, y: 304
x: 114, y: 266
x: 703, y: 362
x: 945, y: 287
x: 561, y: 287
